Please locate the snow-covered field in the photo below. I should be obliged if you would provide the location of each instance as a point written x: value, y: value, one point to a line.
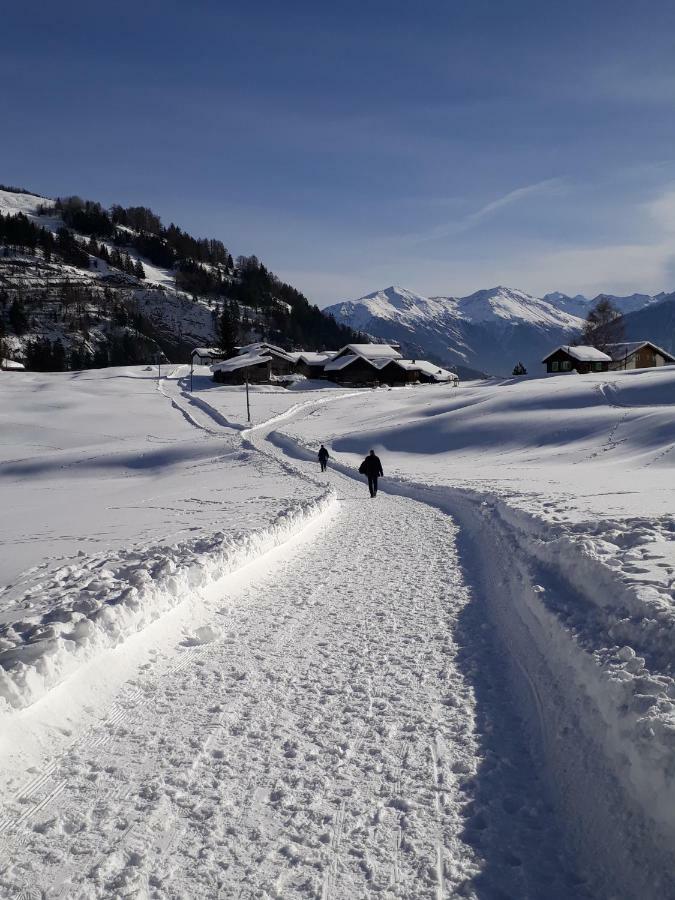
x: 223, y: 674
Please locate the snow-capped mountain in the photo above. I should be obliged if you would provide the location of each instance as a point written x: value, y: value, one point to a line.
x: 580, y: 305
x: 490, y: 330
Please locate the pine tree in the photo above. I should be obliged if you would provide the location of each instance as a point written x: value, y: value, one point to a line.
x: 17, y: 317
x: 228, y: 331
x: 519, y: 369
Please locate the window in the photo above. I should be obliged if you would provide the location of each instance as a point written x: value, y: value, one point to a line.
x: 597, y: 367
x: 566, y: 365
x: 554, y: 365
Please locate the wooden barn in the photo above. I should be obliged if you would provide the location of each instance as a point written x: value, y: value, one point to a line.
x: 638, y: 355
x: 362, y: 364
x: 206, y: 356
x: 311, y: 364
x: 581, y: 359
x: 260, y: 362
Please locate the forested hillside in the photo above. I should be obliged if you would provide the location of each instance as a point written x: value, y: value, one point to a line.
x: 83, y: 286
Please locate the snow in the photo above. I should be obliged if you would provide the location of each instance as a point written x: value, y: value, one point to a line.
x: 12, y: 204
x: 11, y: 365
x: 315, y: 359
x: 438, y: 373
x: 241, y: 362
x: 464, y: 687
x: 371, y: 352
x: 341, y: 362
x: 582, y: 353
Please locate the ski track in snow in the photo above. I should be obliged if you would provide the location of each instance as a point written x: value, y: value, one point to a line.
x: 344, y: 731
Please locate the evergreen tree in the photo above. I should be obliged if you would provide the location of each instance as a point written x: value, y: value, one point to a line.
x: 519, y: 369
x: 17, y: 317
x: 228, y: 330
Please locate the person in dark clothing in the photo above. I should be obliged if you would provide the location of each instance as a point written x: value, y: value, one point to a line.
x: 323, y: 457
x: 372, y: 467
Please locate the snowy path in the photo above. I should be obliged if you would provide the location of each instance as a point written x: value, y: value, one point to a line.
x: 343, y: 732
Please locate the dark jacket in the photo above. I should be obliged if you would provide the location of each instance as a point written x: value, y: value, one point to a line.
x: 371, y: 466
x: 323, y: 453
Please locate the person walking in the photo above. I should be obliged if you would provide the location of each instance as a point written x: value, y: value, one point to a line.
x: 323, y: 457
x: 372, y: 467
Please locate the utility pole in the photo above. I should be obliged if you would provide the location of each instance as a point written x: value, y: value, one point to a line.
x: 248, y: 406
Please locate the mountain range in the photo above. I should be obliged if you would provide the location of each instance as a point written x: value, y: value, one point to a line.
x: 491, y: 330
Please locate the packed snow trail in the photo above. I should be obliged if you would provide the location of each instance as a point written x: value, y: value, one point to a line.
x: 342, y: 731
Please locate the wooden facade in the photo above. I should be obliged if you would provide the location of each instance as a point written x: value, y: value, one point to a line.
x: 643, y: 355
x: 257, y: 374
x: 393, y: 374
x: 561, y: 361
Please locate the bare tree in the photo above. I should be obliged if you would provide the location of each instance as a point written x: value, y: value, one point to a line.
x: 604, y: 325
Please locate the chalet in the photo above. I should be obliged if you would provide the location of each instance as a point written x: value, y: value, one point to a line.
x: 311, y: 364
x: 433, y: 374
x: 362, y: 364
x: 259, y: 363
x: 206, y: 356
x: 581, y: 359
x: 638, y: 355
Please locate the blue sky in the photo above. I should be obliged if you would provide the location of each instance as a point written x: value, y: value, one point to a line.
x: 446, y: 146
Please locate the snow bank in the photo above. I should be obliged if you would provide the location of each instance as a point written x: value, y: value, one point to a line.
x: 592, y: 654
x: 604, y: 714
x: 95, y: 606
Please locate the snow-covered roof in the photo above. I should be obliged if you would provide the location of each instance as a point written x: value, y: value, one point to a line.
x: 262, y: 347
x: 627, y: 348
x: 207, y: 351
x: 371, y: 351
x: 12, y: 365
x: 314, y: 359
x: 341, y: 362
x: 244, y: 361
x: 431, y: 369
x: 582, y: 353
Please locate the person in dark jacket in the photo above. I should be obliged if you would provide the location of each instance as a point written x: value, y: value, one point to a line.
x: 372, y: 467
x: 323, y: 457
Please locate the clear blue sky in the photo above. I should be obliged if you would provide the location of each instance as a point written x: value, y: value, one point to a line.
x: 446, y: 146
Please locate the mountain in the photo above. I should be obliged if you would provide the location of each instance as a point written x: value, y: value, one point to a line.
x: 488, y: 331
x: 82, y: 286
x: 580, y: 305
x: 654, y: 322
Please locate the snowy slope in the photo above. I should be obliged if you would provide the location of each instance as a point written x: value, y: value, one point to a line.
x: 277, y: 686
x: 489, y: 330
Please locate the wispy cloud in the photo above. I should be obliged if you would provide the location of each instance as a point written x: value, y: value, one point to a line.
x: 465, y: 223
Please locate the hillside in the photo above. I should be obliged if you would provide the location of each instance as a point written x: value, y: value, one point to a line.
x: 82, y: 286
x: 489, y: 331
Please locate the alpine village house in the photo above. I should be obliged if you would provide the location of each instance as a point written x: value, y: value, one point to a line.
x: 363, y: 365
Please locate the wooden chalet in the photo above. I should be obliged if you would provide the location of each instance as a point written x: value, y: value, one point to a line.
x: 206, y: 356
x: 259, y: 363
x: 638, y: 355
x: 363, y: 365
x: 310, y: 364
x: 581, y: 359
